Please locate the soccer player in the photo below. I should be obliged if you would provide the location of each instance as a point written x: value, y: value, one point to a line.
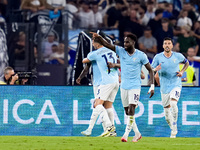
x: 167, y: 65
x: 108, y: 87
x: 131, y: 61
x: 96, y: 83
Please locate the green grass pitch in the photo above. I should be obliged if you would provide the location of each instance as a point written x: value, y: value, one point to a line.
x: 96, y: 143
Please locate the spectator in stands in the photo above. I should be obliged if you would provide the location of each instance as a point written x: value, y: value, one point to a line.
x: 191, y: 56
x: 147, y: 43
x: 135, y: 5
x: 98, y: 19
x: 196, y: 34
x: 47, y: 46
x: 150, y: 13
x: 185, y: 41
x: 71, y: 7
x: 57, y: 5
x: 161, y: 33
x: 58, y: 56
x: 131, y: 25
x: 86, y: 16
x: 141, y: 15
x: 184, y: 20
x: 20, y: 47
x: 34, y: 5
x: 113, y: 15
x: 155, y: 23
x: 191, y: 13
x: 169, y: 11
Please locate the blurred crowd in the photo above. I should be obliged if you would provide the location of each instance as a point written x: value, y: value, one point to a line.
x: 149, y: 20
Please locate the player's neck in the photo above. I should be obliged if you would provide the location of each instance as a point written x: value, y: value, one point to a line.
x: 100, y: 46
x: 168, y: 54
x: 131, y: 51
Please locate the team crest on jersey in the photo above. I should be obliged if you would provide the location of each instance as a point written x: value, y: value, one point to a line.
x: 134, y: 59
x: 174, y: 60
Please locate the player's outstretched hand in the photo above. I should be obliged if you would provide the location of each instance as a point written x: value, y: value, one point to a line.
x: 78, y: 81
x: 158, y: 67
x: 94, y: 34
x: 151, y: 90
x: 111, y: 65
x: 152, y: 93
x: 179, y: 74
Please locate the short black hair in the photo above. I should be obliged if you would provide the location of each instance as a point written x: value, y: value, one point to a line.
x: 119, y: 2
x: 168, y: 38
x: 132, y: 37
x: 143, y: 7
x: 159, y: 11
x: 96, y: 40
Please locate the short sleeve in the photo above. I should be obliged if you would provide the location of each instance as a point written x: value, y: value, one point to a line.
x: 181, y: 58
x: 91, y: 56
x: 119, y: 50
x: 155, y: 62
x: 144, y: 59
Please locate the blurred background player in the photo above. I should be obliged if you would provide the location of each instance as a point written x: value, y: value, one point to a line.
x: 108, y: 87
x: 131, y: 61
x: 167, y: 65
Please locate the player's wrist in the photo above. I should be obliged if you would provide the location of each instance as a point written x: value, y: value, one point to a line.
x: 152, y: 86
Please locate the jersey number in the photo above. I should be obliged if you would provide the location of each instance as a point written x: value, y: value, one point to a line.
x: 109, y: 56
x: 136, y: 97
x: 106, y: 59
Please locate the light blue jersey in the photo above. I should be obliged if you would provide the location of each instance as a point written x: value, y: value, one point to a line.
x: 102, y: 56
x: 96, y: 74
x: 131, y: 66
x: 169, y: 69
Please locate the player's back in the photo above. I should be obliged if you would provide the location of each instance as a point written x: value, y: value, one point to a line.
x: 102, y: 56
x: 96, y: 74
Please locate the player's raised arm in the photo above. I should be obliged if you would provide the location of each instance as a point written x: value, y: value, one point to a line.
x: 149, y: 68
x: 103, y: 41
x: 83, y: 73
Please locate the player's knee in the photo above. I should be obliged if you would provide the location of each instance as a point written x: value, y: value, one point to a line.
x: 126, y: 110
x: 168, y: 106
x: 173, y: 103
x: 131, y: 110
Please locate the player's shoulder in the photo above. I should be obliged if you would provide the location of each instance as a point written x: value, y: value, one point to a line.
x: 161, y: 54
x: 139, y: 52
x: 177, y: 54
x: 119, y: 47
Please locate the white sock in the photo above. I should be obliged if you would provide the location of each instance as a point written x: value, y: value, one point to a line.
x: 174, y: 114
x: 135, y: 128
x: 93, y: 118
x: 128, y: 125
x: 168, y: 116
x: 105, y: 117
x: 110, y: 115
x: 103, y: 123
